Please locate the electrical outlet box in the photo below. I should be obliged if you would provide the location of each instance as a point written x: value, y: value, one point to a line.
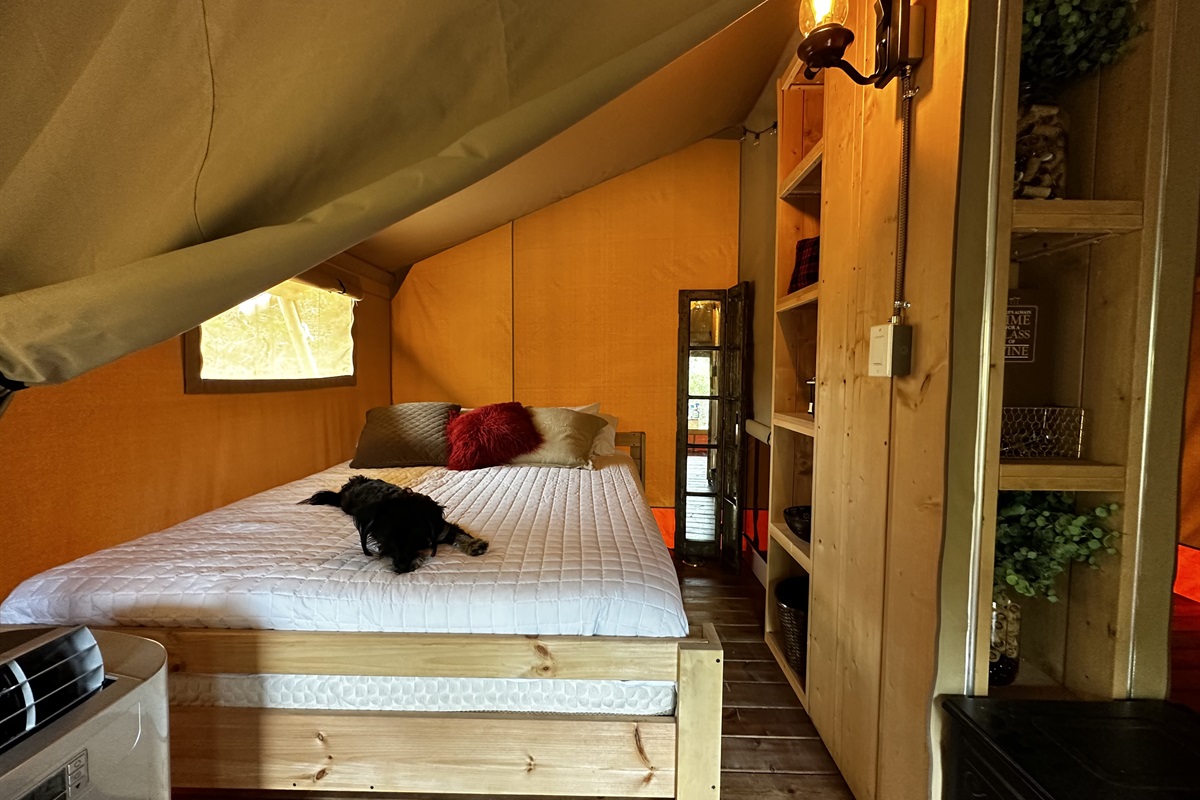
x: 891, y: 351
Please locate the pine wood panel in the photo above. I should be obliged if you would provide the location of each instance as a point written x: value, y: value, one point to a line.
x: 281, y: 749
x: 920, y: 403
x: 839, y: 214
x: 452, y: 325
x: 139, y: 455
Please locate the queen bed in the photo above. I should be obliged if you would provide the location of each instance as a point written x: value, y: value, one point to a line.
x: 557, y: 663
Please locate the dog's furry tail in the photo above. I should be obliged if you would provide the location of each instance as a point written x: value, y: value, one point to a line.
x: 325, y: 498
x: 452, y: 530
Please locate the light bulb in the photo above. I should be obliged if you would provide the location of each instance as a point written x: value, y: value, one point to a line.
x: 815, y: 13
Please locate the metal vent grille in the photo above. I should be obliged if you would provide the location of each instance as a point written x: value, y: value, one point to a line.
x: 44, y: 678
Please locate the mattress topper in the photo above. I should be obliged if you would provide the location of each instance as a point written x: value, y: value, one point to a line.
x: 572, y: 552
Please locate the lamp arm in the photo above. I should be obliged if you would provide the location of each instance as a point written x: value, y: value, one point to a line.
x: 856, y: 76
x: 846, y: 67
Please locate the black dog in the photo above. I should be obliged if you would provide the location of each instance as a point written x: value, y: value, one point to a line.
x: 399, y: 521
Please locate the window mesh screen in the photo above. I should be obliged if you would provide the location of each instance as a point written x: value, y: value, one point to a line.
x: 293, y: 331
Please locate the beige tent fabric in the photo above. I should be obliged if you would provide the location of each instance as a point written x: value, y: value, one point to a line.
x: 162, y: 161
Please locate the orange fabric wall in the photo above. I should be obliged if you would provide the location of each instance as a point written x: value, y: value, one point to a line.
x: 452, y: 325
x: 1189, y: 476
x: 579, y: 299
x: 122, y: 451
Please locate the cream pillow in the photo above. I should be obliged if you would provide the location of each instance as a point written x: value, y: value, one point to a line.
x: 606, y: 440
x: 567, y: 438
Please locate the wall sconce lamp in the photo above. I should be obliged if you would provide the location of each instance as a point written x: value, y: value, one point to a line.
x: 899, y: 32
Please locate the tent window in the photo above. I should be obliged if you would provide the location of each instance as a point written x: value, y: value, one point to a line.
x: 293, y: 336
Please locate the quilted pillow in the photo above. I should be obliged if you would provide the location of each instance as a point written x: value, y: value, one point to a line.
x: 404, y: 435
x: 566, y: 437
x: 491, y: 435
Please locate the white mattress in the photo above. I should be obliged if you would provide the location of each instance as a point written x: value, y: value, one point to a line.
x: 573, y: 552
x: 642, y: 698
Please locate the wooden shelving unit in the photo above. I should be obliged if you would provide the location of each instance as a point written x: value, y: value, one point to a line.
x: 797, y: 299
x: 797, y: 423
x: 805, y: 179
x: 1087, y: 265
x: 794, y: 431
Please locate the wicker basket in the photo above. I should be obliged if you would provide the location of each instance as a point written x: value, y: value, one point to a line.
x: 791, y: 600
x: 1041, y: 432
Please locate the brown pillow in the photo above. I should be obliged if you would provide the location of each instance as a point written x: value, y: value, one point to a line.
x: 404, y: 435
x: 566, y: 438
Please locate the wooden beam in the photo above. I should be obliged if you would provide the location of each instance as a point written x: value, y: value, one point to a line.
x: 698, y: 768
x: 251, y: 652
x: 1061, y: 476
x: 363, y: 269
x: 1076, y: 216
x: 491, y: 754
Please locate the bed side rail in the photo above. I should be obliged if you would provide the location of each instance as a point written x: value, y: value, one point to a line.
x: 420, y: 655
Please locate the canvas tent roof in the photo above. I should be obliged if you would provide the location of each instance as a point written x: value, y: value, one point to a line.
x: 160, y: 162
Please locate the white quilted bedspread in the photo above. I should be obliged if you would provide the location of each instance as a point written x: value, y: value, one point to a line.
x: 573, y: 552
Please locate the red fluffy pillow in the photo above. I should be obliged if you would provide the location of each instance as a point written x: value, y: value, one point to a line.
x: 491, y: 435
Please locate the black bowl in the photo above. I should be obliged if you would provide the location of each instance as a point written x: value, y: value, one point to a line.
x: 799, y: 519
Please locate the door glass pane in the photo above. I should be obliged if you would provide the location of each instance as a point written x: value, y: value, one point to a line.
x: 701, y: 470
x: 705, y: 327
x: 703, y: 419
x: 703, y: 373
x: 700, y: 519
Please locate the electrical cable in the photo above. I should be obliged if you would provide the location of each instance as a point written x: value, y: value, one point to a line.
x: 769, y: 130
x: 907, y: 93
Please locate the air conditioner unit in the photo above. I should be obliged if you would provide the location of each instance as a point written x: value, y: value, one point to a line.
x: 83, y: 716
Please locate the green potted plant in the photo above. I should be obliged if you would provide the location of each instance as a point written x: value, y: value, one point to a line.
x: 1061, y: 41
x: 1038, y: 535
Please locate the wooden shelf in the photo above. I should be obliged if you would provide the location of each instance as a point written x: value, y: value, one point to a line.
x: 1043, y: 227
x: 798, y: 423
x: 776, y: 648
x: 800, y: 297
x: 1032, y: 684
x: 1061, y: 476
x: 805, y: 179
x: 797, y: 548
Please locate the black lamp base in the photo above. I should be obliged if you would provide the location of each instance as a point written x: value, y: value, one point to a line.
x: 825, y: 46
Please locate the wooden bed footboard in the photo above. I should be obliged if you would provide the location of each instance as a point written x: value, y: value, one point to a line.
x: 469, y: 753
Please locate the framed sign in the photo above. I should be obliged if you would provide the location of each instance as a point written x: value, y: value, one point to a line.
x: 1020, y: 334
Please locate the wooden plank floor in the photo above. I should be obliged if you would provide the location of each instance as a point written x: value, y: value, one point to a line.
x: 770, y: 749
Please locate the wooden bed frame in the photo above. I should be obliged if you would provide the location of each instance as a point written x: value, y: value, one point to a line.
x: 469, y: 753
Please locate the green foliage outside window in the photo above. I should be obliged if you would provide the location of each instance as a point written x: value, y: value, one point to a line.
x: 261, y: 339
